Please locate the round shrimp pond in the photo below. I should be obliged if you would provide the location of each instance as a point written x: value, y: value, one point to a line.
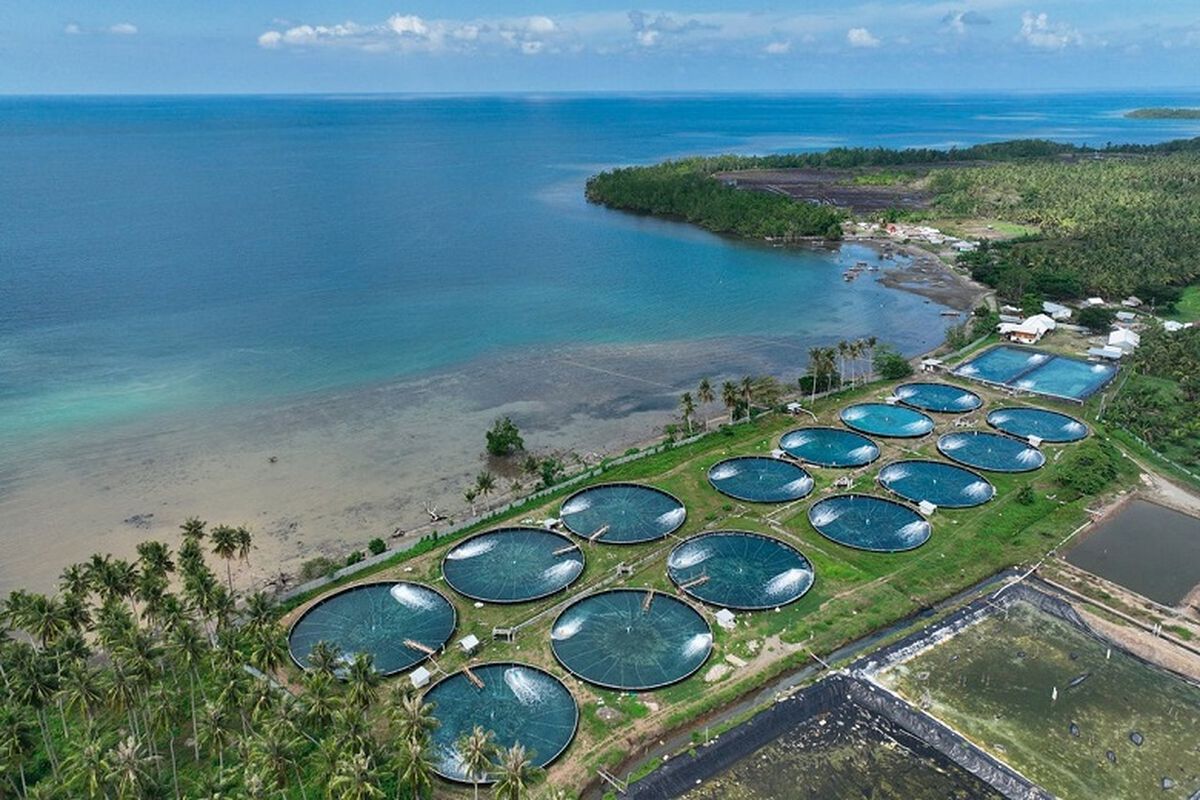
x: 740, y: 570
x: 866, y: 522
x: 516, y: 702
x: 760, y: 479
x: 993, y: 452
x: 631, y: 639
x: 944, y: 485
x: 886, y: 419
x: 829, y: 447
x: 398, y: 623
x: 622, y: 513
x: 1049, y: 426
x: 938, y: 397
x: 512, y: 565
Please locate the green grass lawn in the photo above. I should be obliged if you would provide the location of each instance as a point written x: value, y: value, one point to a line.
x: 1187, y: 309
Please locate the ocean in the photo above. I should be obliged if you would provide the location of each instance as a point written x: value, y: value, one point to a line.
x: 356, y: 285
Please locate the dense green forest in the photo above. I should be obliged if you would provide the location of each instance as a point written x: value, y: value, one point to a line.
x: 1163, y: 113
x: 1160, y: 398
x: 686, y: 190
x: 130, y: 682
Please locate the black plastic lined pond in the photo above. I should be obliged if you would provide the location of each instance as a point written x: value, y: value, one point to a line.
x: 829, y: 447
x: 944, y: 485
x: 1151, y: 549
x: 622, y: 513
x: 397, y: 623
x: 740, y: 570
x: 513, y: 565
x: 1049, y: 426
x: 865, y: 522
x: 993, y: 452
x: 516, y: 702
x: 631, y: 639
x: 941, y: 398
x: 760, y: 479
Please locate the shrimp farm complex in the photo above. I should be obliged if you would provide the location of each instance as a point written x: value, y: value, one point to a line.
x: 855, y: 582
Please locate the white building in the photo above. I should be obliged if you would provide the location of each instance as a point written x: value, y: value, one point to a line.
x: 1171, y: 326
x: 1131, y: 302
x: 1029, y: 331
x: 1126, y: 316
x: 1124, y: 339
x: 1110, y: 353
x: 1056, y: 311
x: 1094, y: 301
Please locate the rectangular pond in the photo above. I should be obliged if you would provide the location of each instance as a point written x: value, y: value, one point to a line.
x: 1038, y: 372
x: 1034, y: 687
x: 1150, y: 549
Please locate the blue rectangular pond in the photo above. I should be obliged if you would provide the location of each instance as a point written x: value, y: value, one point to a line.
x: 1038, y: 372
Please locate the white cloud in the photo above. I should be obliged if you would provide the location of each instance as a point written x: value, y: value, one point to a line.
x: 777, y: 48
x: 270, y: 40
x: 959, y: 21
x: 861, y: 37
x: 72, y: 29
x: 123, y: 29
x: 1037, y: 31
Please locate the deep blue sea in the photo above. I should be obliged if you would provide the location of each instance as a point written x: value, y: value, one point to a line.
x: 162, y: 253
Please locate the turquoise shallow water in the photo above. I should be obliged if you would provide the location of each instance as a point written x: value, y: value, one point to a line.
x: 163, y: 254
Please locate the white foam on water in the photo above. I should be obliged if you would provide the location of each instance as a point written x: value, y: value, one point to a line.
x: 700, y: 643
x: 967, y: 369
x: 825, y: 515
x: 412, y: 597
x: 977, y: 490
x: 854, y: 414
x: 567, y: 629
x: 786, y: 582
x: 905, y: 392
x: 863, y: 453
x: 1025, y: 384
x: 1029, y: 456
x: 689, y: 556
x: 1000, y: 419
x: 913, y: 531
x: 476, y: 547
x: 724, y: 472
x: 917, y: 426
x: 797, y: 440
x: 965, y: 400
x: 801, y: 485
x: 1099, y: 368
x: 575, y: 505
x: 562, y: 571
x: 1074, y: 427
x: 670, y: 519
x: 524, y: 687
x: 1038, y: 358
x: 896, y: 472
x: 953, y: 443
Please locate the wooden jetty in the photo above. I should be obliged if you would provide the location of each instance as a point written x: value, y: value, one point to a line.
x: 420, y: 648
x: 648, y: 600
x: 562, y: 551
x: 472, y: 677
x: 700, y: 580
x: 603, y: 529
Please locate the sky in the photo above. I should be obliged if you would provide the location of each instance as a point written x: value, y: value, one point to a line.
x: 296, y: 46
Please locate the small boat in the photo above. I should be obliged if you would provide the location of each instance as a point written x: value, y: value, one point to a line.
x: 949, y: 313
x: 860, y: 264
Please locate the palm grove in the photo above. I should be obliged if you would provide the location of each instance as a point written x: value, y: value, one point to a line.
x: 151, y: 679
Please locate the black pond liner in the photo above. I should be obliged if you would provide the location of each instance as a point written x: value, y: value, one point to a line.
x: 633, y: 513
x: 376, y: 618
x: 1049, y: 426
x: 519, y: 703
x: 990, y: 452
x: 611, y: 640
x: 760, y: 479
x: 944, y: 484
x: 839, y: 448
x: 512, y: 565
x: 901, y: 528
x: 940, y: 398
x: 741, y: 570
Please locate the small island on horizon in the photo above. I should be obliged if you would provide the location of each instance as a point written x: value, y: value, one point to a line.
x: 1163, y: 113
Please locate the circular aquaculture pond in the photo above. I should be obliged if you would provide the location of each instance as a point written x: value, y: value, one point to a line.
x: 865, y: 522
x: 939, y: 397
x: 739, y: 569
x: 516, y: 702
x: 1049, y: 426
x: 944, y: 485
x: 829, y: 447
x: 886, y: 419
x: 993, y: 452
x: 760, y: 479
x: 512, y: 565
x: 622, y: 513
x: 631, y: 639
x: 398, y: 623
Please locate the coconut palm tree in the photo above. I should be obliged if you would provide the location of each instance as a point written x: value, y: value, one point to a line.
x: 485, y: 484
x: 320, y: 701
x: 16, y: 742
x: 35, y: 685
x: 259, y: 611
x: 469, y: 494
x: 225, y: 543
x: 189, y: 648
x: 213, y: 732
x: 356, y: 778
x: 516, y: 773
x: 705, y: 395
x: 83, y: 690
x: 687, y: 407
x: 268, y: 649
x: 193, y: 528
x: 245, y: 543
x: 413, y: 718
x: 74, y: 581
x: 413, y: 768
x: 86, y: 770
x: 477, y: 749
x: 324, y: 658
x: 127, y: 768
x: 729, y: 396
x: 746, y: 390
x: 362, y: 680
